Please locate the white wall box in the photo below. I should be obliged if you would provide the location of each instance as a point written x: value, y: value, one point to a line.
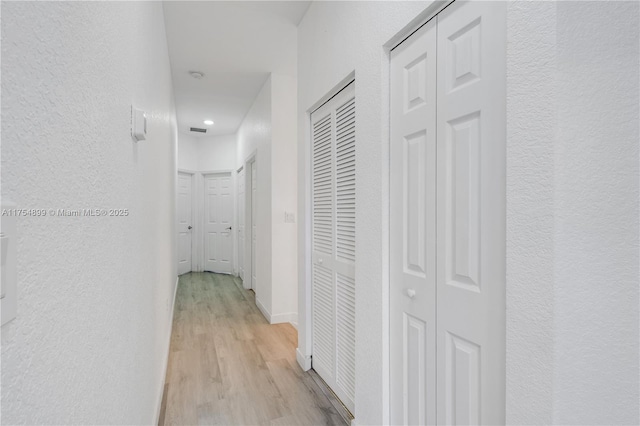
x: 333, y: 243
x: 447, y: 215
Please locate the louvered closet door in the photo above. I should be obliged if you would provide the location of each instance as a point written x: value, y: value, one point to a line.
x: 333, y: 243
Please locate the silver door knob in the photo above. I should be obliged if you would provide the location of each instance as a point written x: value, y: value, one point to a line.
x: 189, y: 227
x: 411, y: 293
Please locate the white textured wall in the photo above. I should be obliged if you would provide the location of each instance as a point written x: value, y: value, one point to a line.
x: 205, y: 154
x: 270, y: 132
x: 188, y: 154
x: 254, y: 136
x: 334, y: 39
x: 217, y: 153
x: 284, y: 198
x: 531, y: 131
x: 89, y: 343
x: 596, y: 209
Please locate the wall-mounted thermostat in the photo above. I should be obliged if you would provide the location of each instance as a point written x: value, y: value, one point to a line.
x: 138, y: 124
x: 8, y: 253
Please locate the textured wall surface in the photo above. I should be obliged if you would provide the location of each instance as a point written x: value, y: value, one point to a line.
x: 216, y: 153
x: 206, y: 153
x: 89, y: 343
x: 269, y: 131
x: 187, y: 152
x: 284, y: 198
x: 254, y: 136
x: 531, y: 131
x: 596, y: 209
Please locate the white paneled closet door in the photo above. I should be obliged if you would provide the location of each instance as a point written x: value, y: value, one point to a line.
x: 413, y: 229
x: 471, y: 213
x: 448, y: 272
x: 333, y: 243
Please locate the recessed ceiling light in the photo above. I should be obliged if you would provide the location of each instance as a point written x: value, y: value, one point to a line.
x: 196, y: 74
x: 208, y: 122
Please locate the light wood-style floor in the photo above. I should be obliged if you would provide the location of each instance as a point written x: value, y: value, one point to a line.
x: 228, y: 366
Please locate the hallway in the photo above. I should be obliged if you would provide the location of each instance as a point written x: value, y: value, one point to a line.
x: 227, y: 365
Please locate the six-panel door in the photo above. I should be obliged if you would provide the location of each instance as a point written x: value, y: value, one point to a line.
x: 218, y: 216
x: 447, y: 216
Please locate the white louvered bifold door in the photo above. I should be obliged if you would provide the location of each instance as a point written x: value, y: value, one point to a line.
x: 333, y: 235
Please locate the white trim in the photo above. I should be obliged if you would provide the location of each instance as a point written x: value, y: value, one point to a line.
x: 331, y: 93
x: 248, y: 221
x: 194, y: 219
x: 423, y: 17
x: 305, y: 340
x: 287, y: 317
x: 166, y: 357
x: 304, y: 361
x: 263, y: 310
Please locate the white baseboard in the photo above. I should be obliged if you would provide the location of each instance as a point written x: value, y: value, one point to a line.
x: 264, y: 310
x: 166, y: 356
x: 290, y: 317
x: 303, y: 360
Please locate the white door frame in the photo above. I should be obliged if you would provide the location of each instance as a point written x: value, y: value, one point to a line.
x: 248, y: 221
x: 239, y: 244
x: 305, y: 313
x: 200, y: 218
x: 194, y: 218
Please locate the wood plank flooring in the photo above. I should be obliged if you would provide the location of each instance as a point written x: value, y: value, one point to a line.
x: 228, y: 366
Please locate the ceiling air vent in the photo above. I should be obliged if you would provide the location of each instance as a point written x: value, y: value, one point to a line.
x: 197, y: 129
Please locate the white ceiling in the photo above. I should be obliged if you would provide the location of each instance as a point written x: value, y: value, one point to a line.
x: 236, y: 44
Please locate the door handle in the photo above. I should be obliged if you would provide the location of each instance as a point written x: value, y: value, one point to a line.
x: 229, y: 229
x: 411, y: 293
x: 189, y: 227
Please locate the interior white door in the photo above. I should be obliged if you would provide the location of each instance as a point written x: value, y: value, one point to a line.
x: 185, y: 222
x: 254, y: 219
x: 447, y: 231
x: 333, y: 243
x: 241, y: 220
x: 218, y: 216
x: 471, y: 213
x: 413, y: 229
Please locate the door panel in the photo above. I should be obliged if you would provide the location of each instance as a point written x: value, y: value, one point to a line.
x: 185, y: 221
x: 241, y: 220
x: 471, y: 218
x: 218, y: 241
x: 413, y: 229
x: 254, y: 219
x: 447, y: 232
x: 334, y: 243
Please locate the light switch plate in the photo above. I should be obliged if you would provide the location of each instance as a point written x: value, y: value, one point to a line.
x: 8, y: 275
x: 289, y: 217
x: 138, y: 124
